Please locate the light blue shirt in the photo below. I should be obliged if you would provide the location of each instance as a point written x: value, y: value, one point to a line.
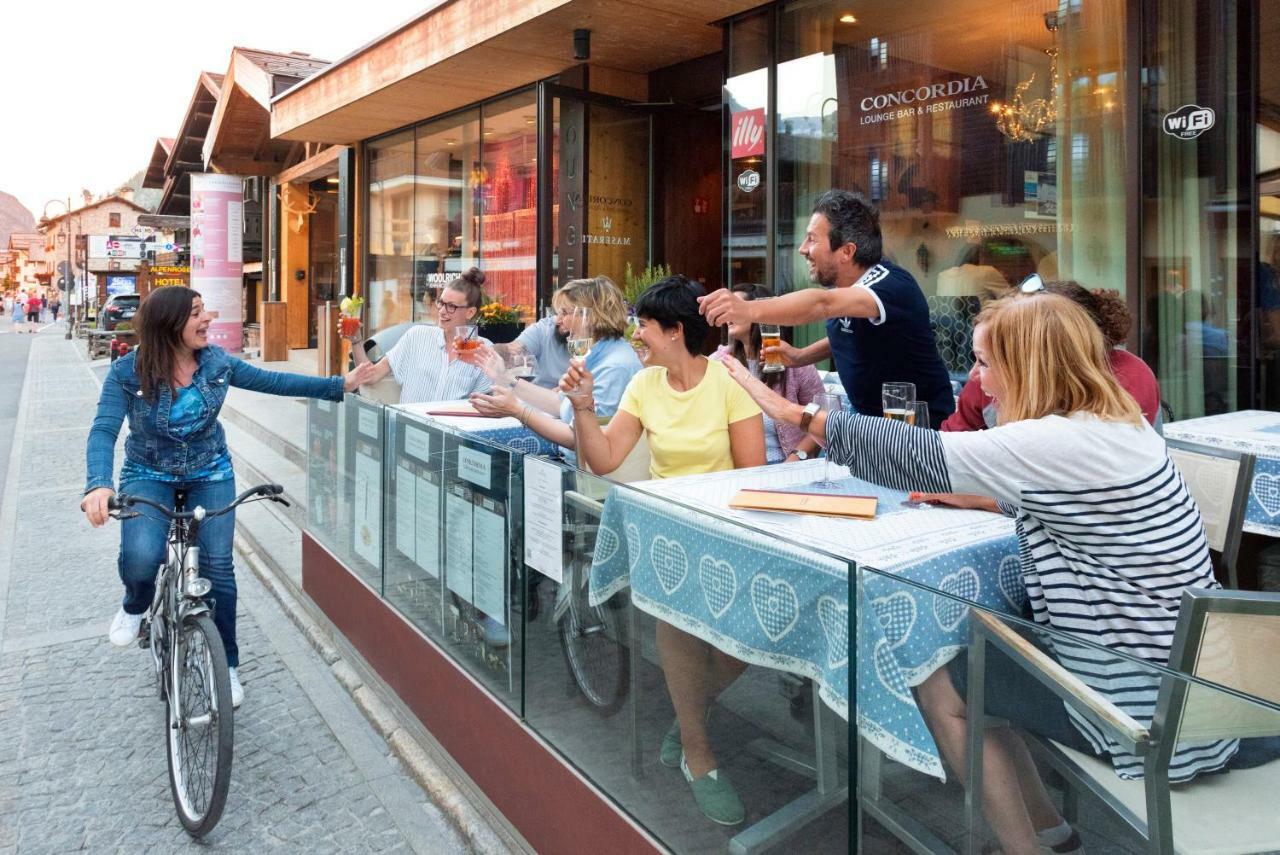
x: 612, y: 363
x: 540, y: 339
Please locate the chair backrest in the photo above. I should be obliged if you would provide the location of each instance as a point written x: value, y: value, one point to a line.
x: 1218, y: 480
x: 1229, y: 638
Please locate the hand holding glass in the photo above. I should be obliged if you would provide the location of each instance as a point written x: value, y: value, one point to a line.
x: 464, y: 338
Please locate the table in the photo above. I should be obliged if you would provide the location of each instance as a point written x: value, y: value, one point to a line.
x: 725, y: 576
x: 506, y: 431
x: 1256, y: 432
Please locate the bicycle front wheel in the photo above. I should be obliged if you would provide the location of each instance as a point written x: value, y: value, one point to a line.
x: 199, y: 724
x: 595, y: 649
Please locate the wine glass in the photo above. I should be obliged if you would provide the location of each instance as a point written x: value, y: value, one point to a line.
x: 580, y: 338
x: 521, y: 365
x: 896, y: 399
x: 832, y: 403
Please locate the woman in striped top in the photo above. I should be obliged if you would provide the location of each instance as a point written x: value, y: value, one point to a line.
x: 1108, y: 535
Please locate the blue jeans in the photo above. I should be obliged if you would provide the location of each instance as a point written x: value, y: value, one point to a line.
x: 142, y: 550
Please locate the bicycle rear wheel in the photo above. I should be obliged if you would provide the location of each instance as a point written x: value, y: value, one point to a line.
x: 199, y: 724
x: 593, y: 641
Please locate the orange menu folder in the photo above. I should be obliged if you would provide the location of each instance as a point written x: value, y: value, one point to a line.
x: 823, y: 504
x: 460, y: 409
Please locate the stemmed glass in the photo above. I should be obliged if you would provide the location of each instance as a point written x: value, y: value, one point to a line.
x: 832, y: 404
x: 521, y: 365
x: 580, y: 339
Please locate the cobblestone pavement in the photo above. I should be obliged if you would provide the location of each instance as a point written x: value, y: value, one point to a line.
x: 82, y: 764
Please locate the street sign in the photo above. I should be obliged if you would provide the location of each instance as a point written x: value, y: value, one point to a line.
x: 143, y: 231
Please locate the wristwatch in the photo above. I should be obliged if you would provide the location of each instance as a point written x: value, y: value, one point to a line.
x: 810, y: 410
x: 801, y: 455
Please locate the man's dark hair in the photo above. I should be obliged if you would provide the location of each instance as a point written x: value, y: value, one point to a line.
x: 853, y: 220
x: 672, y: 301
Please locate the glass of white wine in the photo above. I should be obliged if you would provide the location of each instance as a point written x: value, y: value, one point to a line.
x: 896, y: 399
x: 580, y: 338
x: 832, y: 404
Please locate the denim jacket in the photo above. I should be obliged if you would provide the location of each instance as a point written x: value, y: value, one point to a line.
x: 150, y: 441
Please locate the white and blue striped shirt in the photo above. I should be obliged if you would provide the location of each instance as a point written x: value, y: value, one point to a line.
x: 422, y: 368
x: 1109, y: 538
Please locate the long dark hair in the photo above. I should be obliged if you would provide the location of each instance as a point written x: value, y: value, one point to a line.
x: 159, y: 323
x: 752, y: 291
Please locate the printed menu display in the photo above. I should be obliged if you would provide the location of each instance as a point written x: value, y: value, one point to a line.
x: 457, y: 543
x: 489, y: 560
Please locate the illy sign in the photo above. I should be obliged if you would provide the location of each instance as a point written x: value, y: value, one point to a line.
x: 746, y: 132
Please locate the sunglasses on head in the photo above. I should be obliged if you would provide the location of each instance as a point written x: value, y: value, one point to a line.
x: 1032, y: 284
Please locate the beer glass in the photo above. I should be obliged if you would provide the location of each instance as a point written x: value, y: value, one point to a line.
x: 895, y: 398
x: 770, y: 336
x: 918, y: 414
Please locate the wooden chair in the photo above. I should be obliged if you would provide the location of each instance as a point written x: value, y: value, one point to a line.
x: 1219, y: 481
x: 1224, y: 637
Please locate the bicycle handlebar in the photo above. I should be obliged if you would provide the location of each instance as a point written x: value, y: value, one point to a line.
x: 272, y: 492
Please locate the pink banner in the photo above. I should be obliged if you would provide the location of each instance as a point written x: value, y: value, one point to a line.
x: 217, y: 254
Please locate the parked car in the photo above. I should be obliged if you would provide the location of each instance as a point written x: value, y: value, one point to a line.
x: 118, y: 308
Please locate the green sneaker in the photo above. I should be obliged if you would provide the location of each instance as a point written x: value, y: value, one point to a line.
x: 715, y: 796
x: 672, y: 748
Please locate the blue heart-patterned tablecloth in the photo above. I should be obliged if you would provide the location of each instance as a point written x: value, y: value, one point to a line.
x: 1258, y: 433
x: 518, y: 439
x: 772, y: 604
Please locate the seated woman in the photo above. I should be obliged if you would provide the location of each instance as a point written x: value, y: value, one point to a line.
x: 425, y: 361
x: 612, y: 363
x: 698, y: 420
x: 799, y: 385
x: 975, y: 410
x: 1108, y: 534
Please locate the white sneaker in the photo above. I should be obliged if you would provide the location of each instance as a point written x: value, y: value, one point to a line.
x: 124, y: 628
x: 237, y: 690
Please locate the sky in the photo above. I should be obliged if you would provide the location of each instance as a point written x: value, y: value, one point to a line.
x: 87, y: 87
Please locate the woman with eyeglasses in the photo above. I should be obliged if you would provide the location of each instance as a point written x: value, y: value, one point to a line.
x: 425, y: 361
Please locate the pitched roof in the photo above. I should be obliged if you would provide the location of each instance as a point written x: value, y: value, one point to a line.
x: 114, y: 197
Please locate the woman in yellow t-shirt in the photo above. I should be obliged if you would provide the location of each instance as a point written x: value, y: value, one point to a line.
x: 698, y: 420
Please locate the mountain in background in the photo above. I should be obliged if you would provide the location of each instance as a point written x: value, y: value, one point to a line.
x: 149, y: 199
x: 13, y: 218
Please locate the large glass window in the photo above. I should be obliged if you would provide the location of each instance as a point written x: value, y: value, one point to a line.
x: 449, y: 195
x: 1268, y: 177
x: 746, y: 101
x: 390, y: 230
x: 991, y: 138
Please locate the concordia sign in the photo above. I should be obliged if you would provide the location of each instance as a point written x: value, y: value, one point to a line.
x: 926, y: 93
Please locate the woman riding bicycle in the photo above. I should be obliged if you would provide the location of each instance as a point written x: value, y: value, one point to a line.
x: 171, y: 388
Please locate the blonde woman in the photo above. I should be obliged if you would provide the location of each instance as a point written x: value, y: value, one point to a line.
x: 1109, y: 538
x: 612, y: 362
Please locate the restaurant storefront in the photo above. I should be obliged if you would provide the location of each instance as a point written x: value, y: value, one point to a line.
x: 1126, y: 144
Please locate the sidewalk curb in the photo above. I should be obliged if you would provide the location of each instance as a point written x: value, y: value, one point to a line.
x: 434, y: 779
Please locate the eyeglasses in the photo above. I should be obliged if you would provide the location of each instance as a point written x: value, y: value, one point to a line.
x: 563, y: 313
x: 449, y: 308
x: 1032, y: 284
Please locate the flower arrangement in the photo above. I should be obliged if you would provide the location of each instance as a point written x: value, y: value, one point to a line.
x: 494, y: 312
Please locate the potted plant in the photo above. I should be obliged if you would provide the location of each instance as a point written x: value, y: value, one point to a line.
x: 499, y: 323
x: 633, y: 286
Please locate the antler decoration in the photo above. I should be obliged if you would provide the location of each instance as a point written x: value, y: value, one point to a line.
x: 298, y: 214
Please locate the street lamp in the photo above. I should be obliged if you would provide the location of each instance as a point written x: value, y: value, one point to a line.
x: 69, y: 276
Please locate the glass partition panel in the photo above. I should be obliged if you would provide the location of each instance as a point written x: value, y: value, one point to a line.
x: 445, y: 241
x: 1077, y: 732
x: 639, y: 608
x: 327, y: 505
x: 480, y: 506
x: 413, y: 580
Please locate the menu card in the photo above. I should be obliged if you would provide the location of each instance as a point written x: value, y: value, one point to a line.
x: 852, y: 507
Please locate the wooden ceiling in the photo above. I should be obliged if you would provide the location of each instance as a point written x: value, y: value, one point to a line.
x: 469, y: 50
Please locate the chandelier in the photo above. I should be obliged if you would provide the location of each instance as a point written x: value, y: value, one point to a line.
x: 1023, y: 121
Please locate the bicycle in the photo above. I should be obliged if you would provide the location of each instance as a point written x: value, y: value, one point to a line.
x: 190, y: 662
x: 595, y: 639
